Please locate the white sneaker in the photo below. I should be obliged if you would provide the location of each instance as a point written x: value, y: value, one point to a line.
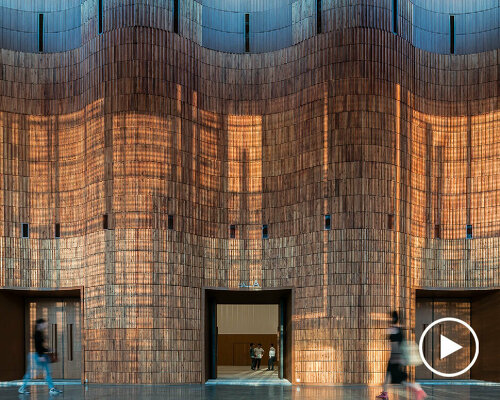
x: 24, y: 390
x: 55, y: 391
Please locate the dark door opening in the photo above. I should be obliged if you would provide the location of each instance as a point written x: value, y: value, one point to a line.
x: 19, y: 309
x: 272, y: 301
x: 478, y: 308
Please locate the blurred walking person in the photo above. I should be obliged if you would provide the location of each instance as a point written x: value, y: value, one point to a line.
x: 396, y: 373
x: 272, y: 358
x: 40, y: 359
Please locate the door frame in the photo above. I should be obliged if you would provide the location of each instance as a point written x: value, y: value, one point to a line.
x: 23, y: 294
x: 211, y: 296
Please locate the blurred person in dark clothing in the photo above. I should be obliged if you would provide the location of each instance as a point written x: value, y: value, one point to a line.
x: 40, y: 359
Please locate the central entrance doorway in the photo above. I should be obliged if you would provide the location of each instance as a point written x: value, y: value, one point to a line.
x: 234, y: 319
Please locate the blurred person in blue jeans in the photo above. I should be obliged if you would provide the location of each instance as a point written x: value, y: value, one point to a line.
x: 39, y: 359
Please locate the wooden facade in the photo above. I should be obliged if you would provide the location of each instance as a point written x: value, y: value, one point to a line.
x: 139, y: 123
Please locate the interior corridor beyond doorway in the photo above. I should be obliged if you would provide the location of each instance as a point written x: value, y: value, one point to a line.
x: 239, y: 325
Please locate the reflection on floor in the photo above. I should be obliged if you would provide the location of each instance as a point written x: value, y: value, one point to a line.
x: 238, y: 372
x: 204, y: 392
x: 237, y: 375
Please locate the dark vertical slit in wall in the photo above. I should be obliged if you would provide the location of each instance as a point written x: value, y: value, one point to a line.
x: 40, y: 32
x: 395, y: 15
x: 100, y: 15
x: 176, y: 16
x: 318, y: 16
x: 26, y: 231
x: 247, y: 33
x: 452, y: 34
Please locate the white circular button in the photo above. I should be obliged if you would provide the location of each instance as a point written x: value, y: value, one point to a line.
x: 439, y: 321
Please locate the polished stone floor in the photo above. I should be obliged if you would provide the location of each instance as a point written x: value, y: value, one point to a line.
x: 237, y: 375
x: 203, y: 392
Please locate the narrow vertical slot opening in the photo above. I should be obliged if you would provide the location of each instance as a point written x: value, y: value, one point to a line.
x: 452, y: 34
x: 40, y: 32
x: 318, y: 16
x: 395, y: 16
x: 390, y: 221
x: 100, y: 15
x: 265, y: 233
x: 247, y: 33
x: 25, y: 230
x: 328, y: 222
x: 176, y: 16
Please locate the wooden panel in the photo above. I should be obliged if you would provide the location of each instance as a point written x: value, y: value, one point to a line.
x: 234, y: 349
x: 240, y: 355
x: 72, y: 340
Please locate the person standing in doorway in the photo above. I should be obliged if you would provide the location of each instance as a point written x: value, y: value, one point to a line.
x: 252, y: 356
x: 272, y: 358
x: 259, y: 352
x: 395, y: 367
x: 39, y: 359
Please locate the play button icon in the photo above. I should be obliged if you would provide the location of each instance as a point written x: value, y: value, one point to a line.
x: 448, y: 347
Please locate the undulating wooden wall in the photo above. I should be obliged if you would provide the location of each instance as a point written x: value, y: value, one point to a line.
x: 139, y: 123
